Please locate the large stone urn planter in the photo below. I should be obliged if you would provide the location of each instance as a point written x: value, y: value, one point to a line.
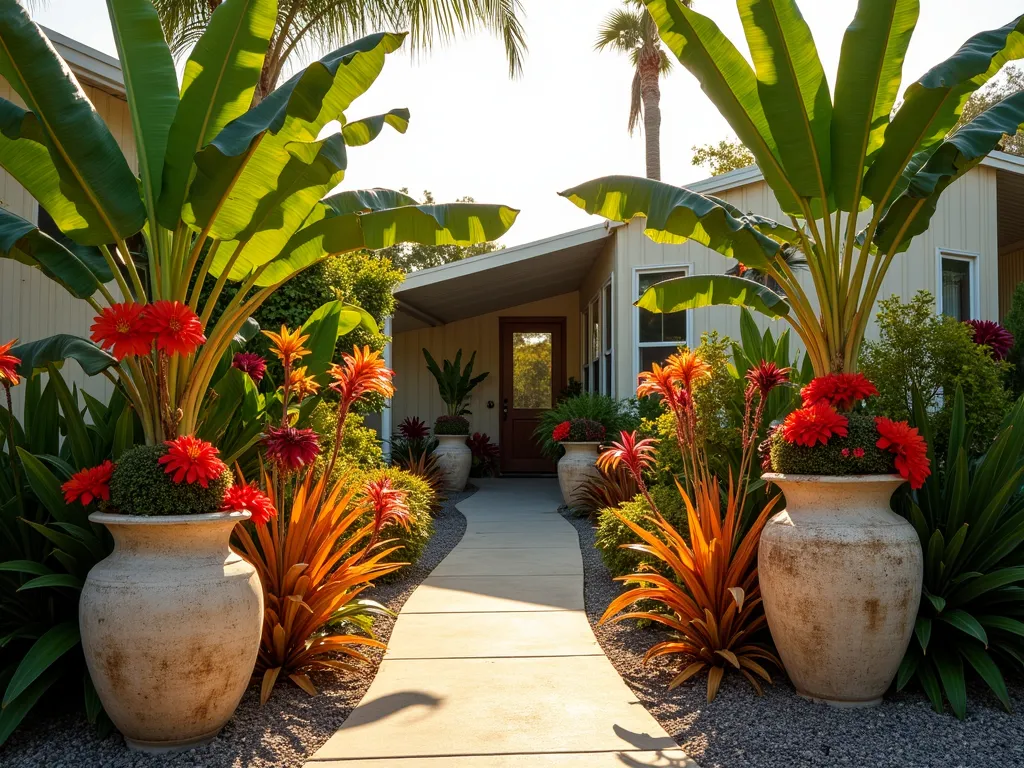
x: 171, y: 624
x: 455, y: 459
x: 841, y: 581
x: 578, y: 465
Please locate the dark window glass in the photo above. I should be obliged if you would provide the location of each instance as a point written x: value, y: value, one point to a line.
x: 956, y: 288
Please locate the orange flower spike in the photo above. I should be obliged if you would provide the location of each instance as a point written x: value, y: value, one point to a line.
x: 662, y: 382
x: 636, y: 455
x: 301, y: 385
x: 9, y: 365
x: 688, y: 368
x: 361, y: 373
x: 287, y: 345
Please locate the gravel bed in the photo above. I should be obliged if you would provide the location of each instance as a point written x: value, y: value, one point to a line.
x: 742, y: 730
x: 283, y: 733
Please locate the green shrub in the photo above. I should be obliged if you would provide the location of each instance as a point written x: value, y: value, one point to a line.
x: 360, y: 445
x: 140, y: 486
x: 600, y: 408
x: 936, y: 354
x: 420, y: 499
x: 829, y: 459
x: 451, y: 425
x: 612, y: 533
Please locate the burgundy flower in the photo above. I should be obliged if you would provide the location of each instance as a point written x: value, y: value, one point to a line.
x: 992, y: 335
x: 766, y: 376
x: 251, y: 364
x: 413, y: 428
x: 291, y: 448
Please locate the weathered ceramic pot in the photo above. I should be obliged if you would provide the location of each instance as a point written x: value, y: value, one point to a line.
x: 455, y: 459
x: 841, y: 580
x: 574, y: 469
x: 171, y: 624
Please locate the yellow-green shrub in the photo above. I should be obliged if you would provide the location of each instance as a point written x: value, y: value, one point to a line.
x: 419, y: 499
x: 612, y: 533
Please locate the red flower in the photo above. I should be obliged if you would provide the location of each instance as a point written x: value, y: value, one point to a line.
x: 388, y: 505
x: 813, y: 424
x: 992, y: 335
x: 120, y: 329
x: 291, y: 448
x: 177, y: 328
x: 910, y: 449
x: 845, y: 453
x: 249, y: 497
x: 251, y: 364
x: 9, y: 365
x: 842, y: 390
x: 561, y: 432
x: 89, y: 484
x: 858, y: 452
x: 191, y: 460
x: 413, y: 428
x: 361, y: 373
x: 637, y: 455
x: 766, y: 376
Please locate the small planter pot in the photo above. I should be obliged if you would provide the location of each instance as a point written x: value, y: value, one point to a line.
x: 574, y: 469
x: 171, y: 624
x: 841, y: 581
x: 455, y: 458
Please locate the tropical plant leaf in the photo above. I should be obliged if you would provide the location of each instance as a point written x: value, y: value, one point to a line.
x: 951, y: 672
x: 78, y: 433
x: 57, y: 641
x: 361, y: 132
x: 325, y: 326
x: 12, y: 714
x: 988, y: 671
x: 966, y: 623
x: 361, y: 201
x: 52, y: 580
x: 36, y: 355
x: 681, y: 293
x: 44, y: 485
x: 23, y: 241
x: 25, y: 566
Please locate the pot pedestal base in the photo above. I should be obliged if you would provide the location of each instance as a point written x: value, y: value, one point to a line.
x: 841, y: 704
x: 170, y: 747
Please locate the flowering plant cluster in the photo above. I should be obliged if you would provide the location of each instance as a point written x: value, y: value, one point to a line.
x: 991, y: 334
x: 832, y: 434
x: 578, y: 431
x: 451, y: 425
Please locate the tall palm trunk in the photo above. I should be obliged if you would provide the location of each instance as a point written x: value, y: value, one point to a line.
x: 650, y: 92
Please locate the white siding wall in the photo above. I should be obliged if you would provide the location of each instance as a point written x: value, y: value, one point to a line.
x: 31, y: 306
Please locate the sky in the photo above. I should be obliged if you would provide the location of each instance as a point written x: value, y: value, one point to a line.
x: 518, y: 142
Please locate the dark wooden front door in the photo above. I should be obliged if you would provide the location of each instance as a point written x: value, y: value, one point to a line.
x: 532, y: 374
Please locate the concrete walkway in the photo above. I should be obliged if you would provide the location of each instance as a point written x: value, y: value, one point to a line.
x: 493, y: 663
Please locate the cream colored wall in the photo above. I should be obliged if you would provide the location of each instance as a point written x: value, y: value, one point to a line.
x: 415, y: 389
x: 31, y: 306
x: 964, y: 221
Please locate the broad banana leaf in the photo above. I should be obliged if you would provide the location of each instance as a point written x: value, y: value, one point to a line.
x: 452, y: 224
x: 780, y: 233
x: 868, y: 82
x: 793, y: 90
x: 933, y: 104
x: 150, y: 85
x: 23, y: 241
x: 911, y: 213
x: 675, y: 215
x: 727, y: 79
x: 361, y: 132
x: 695, y: 291
x: 243, y: 164
x: 325, y: 326
x: 360, y: 200
x: 84, y: 157
x: 35, y: 355
x: 217, y: 86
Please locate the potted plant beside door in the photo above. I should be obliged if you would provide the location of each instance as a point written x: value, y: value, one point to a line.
x: 454, y: 383
x: 581, y: 438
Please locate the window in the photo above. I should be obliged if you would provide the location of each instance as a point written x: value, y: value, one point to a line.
x: 957, y: 285
x: 592, y: 358
x: 658, y: 335
x: 596, y: 342
x: 609, y: 371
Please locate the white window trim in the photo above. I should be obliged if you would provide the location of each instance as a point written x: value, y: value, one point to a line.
x: 972, y: 259
x: 585, y: 337
x: 686, y: 269
x: 608, y: 352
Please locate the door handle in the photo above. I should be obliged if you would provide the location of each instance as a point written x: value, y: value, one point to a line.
x: 504, y: 408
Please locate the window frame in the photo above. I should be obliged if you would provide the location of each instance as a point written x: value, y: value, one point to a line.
x: 602, y: 304
x: 677, y: 270
x: 972, y: 258
x: 608, y: 335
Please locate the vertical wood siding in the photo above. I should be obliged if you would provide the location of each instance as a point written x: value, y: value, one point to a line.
x: 1011, y: 272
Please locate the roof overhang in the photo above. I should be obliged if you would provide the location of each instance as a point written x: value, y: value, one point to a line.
x: 89, y: 65
x: 498, y: 280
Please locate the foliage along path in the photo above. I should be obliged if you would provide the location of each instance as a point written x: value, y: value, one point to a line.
x: 493, y: 663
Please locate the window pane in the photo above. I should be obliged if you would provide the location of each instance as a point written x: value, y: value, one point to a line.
x: 654, y: 327
x: 657, y: 355
x: 608, y: 374
x: 595, y: 331
x: 674, y: 327
x: 608, y: 316
x: 956, y: 288
x: 531, y: 370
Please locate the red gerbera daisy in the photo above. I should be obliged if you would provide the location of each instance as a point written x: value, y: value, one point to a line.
x: 291, y: 448
x: 250, y: 364
x: 813, y: 424
x: 119, y: 329
x: 89, y: 484
x: 992, y: 335
x: 842, y: 390
x: 561, y: 432
x: 911, y: 451
x: 248, y: 497
x: 189, y: 459
x: 177, y: 328
x: 9, y: 365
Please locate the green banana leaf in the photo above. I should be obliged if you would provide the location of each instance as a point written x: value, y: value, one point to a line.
x: 86, y: 156
x: 325, y: 326
x: 35, y: 355
x: 217, y: 86
x: 361, y: 132
x: 691, y: 292
x: 23, y: 241
x: 675, y: 215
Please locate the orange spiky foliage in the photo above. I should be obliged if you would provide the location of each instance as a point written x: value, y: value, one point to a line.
x: 312, y: 563
x: 717, y: 613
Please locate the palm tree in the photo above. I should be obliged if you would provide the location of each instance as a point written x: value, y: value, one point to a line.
x: 631, y: 30
x: 313, y: 24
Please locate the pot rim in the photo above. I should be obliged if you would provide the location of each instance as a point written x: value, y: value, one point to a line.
x: 442, y: 437
x: 107, y: 518
x: 580, y: 442
x: 832, y: 479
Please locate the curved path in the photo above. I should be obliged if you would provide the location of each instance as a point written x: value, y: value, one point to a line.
x: 492, y: 662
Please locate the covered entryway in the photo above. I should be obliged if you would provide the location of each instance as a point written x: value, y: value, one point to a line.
x: 532, y: 374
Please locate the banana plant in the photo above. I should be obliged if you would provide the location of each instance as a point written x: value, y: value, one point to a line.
x: 825, y: 160
x: 224, y: 191
x: 454, y: 382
